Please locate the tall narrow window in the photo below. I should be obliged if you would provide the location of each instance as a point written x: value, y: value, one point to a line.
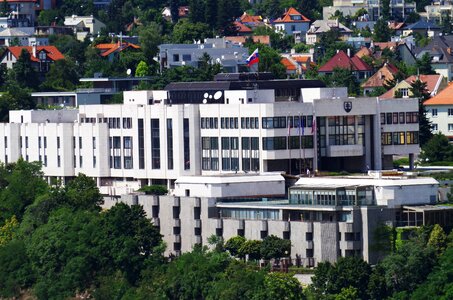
x: 170, y: 144
x: 186, y: 144
x: 155, y: 144
x: 141, y: 145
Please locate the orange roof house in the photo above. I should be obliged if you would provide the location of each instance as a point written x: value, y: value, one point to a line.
x: 386, y: 73
x: 112, y: 49
x: 290, y: 66
x: 241, y: 29
x: 250, y: 20
x: 40, y: 56
x: 439, y: 109
x: 293, y: 23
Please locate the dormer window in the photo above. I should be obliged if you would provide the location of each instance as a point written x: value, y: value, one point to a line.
x: 296, y: 17
x: 42, y: 55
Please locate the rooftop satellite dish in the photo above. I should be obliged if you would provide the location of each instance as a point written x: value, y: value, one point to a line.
x: 128, y: 72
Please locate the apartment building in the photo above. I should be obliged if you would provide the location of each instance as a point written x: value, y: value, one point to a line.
x: 238, y: 123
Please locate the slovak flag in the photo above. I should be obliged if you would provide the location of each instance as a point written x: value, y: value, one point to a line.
x: 254, y: 58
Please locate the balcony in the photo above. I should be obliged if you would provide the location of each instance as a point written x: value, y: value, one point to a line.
x: 344, y: 150
x: 176, y: 222
x: 197, y: 223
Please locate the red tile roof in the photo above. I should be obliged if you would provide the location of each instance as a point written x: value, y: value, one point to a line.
x: 107, y: 49
x: 246, y: 18
x: 386, y: 73
x: 288, y: 64
x: 242, y: 28
x: 445, y: 97
x: 342, y: 60
x: 51, y: 51
x: 292, y: 16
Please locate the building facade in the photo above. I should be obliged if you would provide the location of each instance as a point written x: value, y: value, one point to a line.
x: 208, y: 128
x: 324, y: 217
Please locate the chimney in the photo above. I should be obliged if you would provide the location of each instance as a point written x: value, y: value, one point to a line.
x: 34, y: 50
x: 349, y: 52
x: 449, y: 50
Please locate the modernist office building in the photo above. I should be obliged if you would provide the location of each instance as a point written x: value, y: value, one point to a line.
x: 238, y: 123
x: 324, y: 217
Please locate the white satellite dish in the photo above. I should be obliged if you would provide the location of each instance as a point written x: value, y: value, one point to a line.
x: 128, y: 72
x: 217, y: 95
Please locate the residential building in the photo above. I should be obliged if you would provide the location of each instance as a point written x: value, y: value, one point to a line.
x: 434, y: 84
x: 84, y: 25
x: 229, y: 55
x: 241, y: 29
x: 22, y: 13
x: 297, y: 63
x: 401, y: 49
x: 293, y: 23
x: 438, y: 11
x: 241, y: 40
x: 399, y: 9
x: 183, y: 12
x: 14, y: 37
x: 235, y: 124
x: 319, y: 27
x: 251, y: 20
x: 41, y: 56
x: 439, y: 49
x: 385, y: 74
x: 425, y: 28
x: 440, y: 112
x: 343, y: 61
x: 112, y: 50
x: 324, y: 217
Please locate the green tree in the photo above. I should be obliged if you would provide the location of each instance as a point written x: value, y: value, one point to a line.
x: 130, y: 238
x: 186, y: 32
x: 349, y: 293
x: 233, y: 245
x: 348, y: 272
x: 25, y: 183
x: 64, y: 253
x: 424, y: 65
x: 282, y: 286
x: 275, y: 247
x: 62, y: 76
x: 381, y: 31
x: 24, y: 73
x: 385, y: 14
x: 409, y: 266
x: 343, y: 77
x: 150, y: 38
x: 8, y: 230
x: 238, y: 281
x: 190, y: 276
x: 438, y: 239
x: 49, y: 16
x: 142, y: 69
x: 83, y: 193
x: 420, y: 91
x: 439, y: 284
x: 250, y: 248
x: 377, y: 286
x: 15, y: 269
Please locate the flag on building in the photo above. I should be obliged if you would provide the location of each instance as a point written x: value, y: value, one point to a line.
x: 254, y: 58
x: 313, y: 127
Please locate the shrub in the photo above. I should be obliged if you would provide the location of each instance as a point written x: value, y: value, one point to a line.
x: 154, y: 190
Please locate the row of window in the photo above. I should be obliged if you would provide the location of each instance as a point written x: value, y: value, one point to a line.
x: 400, y: 138
x: 253, y: 122
x: 269, y: 143
x: 114, y: 123
x: 399, y: 118
x: 434, y: 112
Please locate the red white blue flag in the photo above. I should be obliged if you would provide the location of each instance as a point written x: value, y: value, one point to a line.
x: 254, y: 58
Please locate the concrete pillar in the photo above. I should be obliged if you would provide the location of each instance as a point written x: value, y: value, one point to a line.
x: 411, y: 161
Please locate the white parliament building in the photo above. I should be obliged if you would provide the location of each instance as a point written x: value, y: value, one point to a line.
x: 238, y: 123
x: 228, y: 151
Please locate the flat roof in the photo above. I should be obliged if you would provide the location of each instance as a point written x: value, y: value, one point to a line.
x: 425, y: 208
x: 231, y: 178
x: 105, y: 79
x: 50, y: 94
x: 364, y: 181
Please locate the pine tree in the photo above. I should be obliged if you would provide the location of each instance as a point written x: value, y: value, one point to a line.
x: 420, y: 92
